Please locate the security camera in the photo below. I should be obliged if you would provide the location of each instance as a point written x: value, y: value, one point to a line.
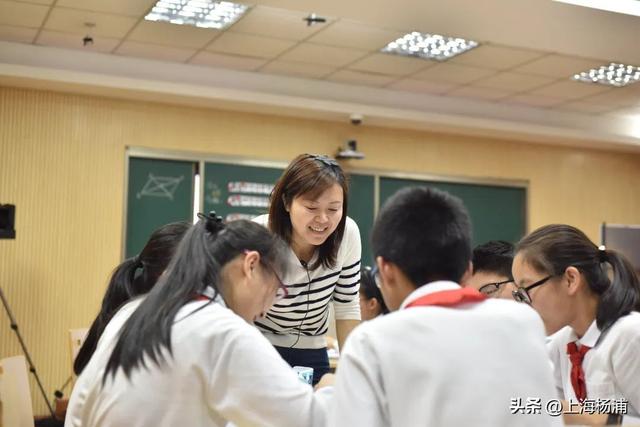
x: 87, y: 40
x: 356, y: 119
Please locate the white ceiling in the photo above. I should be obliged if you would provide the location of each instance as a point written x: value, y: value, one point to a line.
x: 519, y: 74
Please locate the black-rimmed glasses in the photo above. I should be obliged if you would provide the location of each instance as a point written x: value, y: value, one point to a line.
x: 522, y: 294
x: 281, y: 292
x: 491, y: 289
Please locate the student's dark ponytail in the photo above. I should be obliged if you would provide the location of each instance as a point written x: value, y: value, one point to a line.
x: 134, y: 277
x: 553, y: 248
x: 205, y: 249
x: 623, y: 295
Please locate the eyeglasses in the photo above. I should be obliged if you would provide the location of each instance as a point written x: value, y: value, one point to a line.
x: 491, y: 289
x: 522, y: 294
x: 281, y: 292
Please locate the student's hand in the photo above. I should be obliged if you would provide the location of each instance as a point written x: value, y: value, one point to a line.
x: 327, y: 380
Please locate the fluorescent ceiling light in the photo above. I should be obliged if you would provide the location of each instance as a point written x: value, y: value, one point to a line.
x: 613, y: 74
x: 628, y: 7
x: 429, y: 46
x: 199, y: 13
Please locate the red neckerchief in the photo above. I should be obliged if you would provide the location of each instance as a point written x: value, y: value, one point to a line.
x: 448, y: 298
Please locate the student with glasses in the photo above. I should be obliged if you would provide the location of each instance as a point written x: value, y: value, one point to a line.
x: 444, y: 355
x: 492, y: 269
x: 187, y: 353
x: 308, y: 211
x: 591, y: 296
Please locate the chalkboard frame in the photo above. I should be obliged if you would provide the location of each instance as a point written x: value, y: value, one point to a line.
x: 203, y: 158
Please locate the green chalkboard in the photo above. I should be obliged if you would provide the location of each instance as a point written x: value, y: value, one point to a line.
x: 238, y: 191
x: 361, y: 208
x: 496, y: 212
x: 159, y: 192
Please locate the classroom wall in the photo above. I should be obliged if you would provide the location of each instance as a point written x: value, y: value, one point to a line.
x: 62, y: 165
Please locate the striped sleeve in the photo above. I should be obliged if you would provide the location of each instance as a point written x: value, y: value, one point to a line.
x: 345, y: 295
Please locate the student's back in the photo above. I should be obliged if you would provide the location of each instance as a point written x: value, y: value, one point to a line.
x: 445, y: 355
x: 436, y: 366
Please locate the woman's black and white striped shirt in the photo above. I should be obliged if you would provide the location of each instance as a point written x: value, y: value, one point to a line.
x: 302, y: 318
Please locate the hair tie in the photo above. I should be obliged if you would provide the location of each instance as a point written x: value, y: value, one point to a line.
x: 213, y: 222
x: 602, y: 254
x: 137, y: 261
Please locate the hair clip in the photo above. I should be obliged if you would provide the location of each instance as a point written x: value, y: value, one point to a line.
x: 213, y: 222
x: 327, y: 161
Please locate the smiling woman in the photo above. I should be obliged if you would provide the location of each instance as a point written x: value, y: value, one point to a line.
x: 309, y: 211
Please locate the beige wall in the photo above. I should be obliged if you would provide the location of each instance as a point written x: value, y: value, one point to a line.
x: 62, y: 165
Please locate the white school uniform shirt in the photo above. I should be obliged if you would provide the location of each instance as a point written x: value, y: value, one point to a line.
x: 438, y: 366
x: 302, y: 318
x: 222, y: 371
x: 611, y: 367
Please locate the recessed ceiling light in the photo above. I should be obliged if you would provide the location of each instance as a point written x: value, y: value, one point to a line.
x: 628, y: 7
x: 199, y: 13
x: 613, y: 74
x: 429, y: 46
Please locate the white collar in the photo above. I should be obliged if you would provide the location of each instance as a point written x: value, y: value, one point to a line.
x: 590, y: 338
x: 429, y: 288
x: 210, y: 293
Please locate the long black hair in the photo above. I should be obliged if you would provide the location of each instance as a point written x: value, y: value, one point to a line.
x: 205, y: 249
x: 135, y: 276
x: 553, y: 248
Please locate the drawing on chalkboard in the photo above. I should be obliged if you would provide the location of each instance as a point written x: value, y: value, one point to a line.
x: 213, y: 193
x: 160, y: 186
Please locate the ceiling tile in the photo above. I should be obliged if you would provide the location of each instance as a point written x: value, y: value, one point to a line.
x: 395, y: 65
x: 242, y: 63
x: 297, y: 69
x: 496, y: 57
x: 167, y: 34
x: 558, y: 66
x: 352, y: 34
x: 452, y: 73
x: 249, y: 45
x: 532, y: 100
x: 152, y: 51
x: 582, y: 107
x: 74, y: 41
x: 278, y: 23
x: 323, y: 55
x: 568, y: 89
x: 22, y: 14
x: 73, y: 21
x: 616, y: 97
x: 478, y: 93
x: 359, y: 78
x: 513, y: 82
x: 136, y: 8
x: 17, y: 34
x: 421, y: 86
x: 635, y: 112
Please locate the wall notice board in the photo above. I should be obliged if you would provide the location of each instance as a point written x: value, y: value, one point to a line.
x: 162, y: 190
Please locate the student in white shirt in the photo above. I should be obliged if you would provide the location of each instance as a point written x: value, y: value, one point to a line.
x: 445, y: 355
x: 591, y: 296
x: 309, y: 211
x: 187, y: 354
x: 133, y: 277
